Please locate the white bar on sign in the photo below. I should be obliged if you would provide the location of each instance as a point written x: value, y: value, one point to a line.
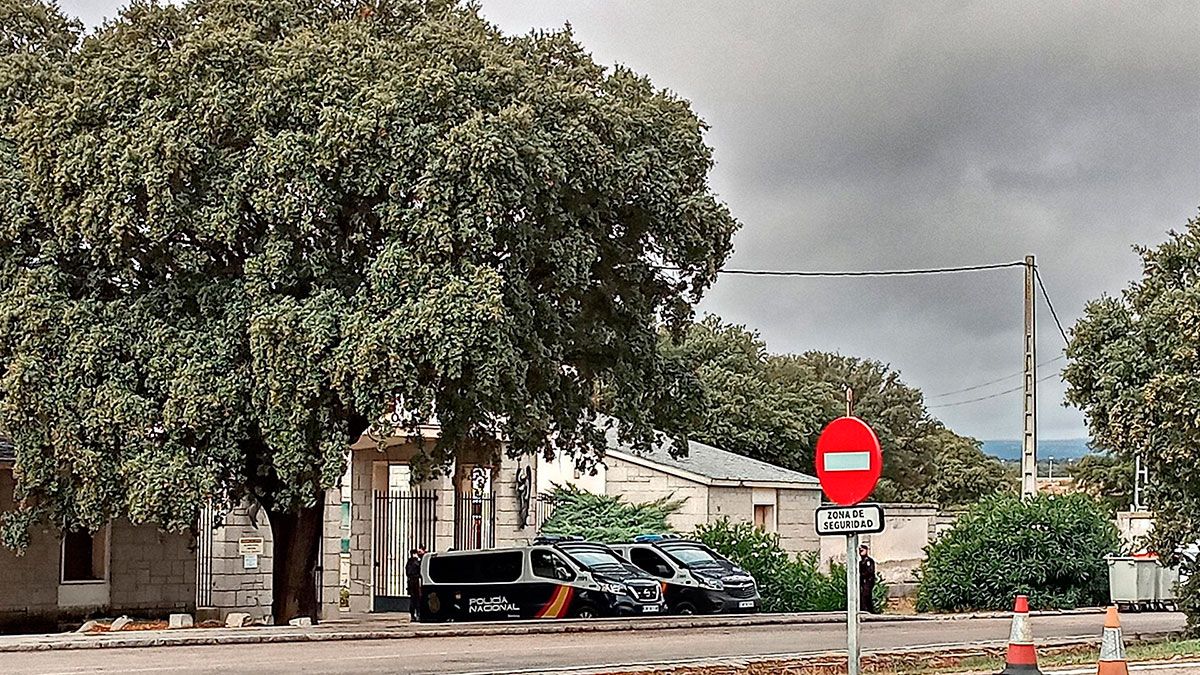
x: 847, y: 461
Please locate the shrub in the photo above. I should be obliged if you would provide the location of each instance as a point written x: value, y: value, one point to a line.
x: 1188, y: 597
x: 606, y: 518
x: 787, y: 583
x: 1050, y: 548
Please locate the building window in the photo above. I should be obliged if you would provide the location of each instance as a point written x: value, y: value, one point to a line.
x: 85, y: 556
x: 764, y: 517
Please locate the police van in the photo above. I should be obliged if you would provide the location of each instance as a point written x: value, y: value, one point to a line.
x: 552, y: 579
x: 695, y: 579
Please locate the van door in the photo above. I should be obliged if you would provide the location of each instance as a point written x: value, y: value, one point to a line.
x: 550, y: 591
x: 672, y: 581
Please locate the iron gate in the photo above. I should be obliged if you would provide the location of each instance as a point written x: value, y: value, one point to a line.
x: 474, y: 521
x: 403, y: 521
x: 204, y: 555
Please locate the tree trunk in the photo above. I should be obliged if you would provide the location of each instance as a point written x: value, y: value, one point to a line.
x: 297, y: 537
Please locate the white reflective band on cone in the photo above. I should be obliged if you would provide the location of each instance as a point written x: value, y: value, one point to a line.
x: 1111, y: 647
x: 1021, y: 633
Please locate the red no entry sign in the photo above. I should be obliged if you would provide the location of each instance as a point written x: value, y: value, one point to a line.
x: 849, y: 460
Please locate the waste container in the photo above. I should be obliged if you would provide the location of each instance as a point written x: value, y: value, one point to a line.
x: 1137, y: 583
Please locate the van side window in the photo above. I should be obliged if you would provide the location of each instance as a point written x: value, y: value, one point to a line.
x: 549, y: 565
x: 477, y: 568
x: 651, y: 562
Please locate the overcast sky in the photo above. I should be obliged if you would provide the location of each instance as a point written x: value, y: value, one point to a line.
x: 880, y: 135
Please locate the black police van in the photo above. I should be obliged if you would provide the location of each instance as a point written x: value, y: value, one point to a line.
x: 552, y: 579
x: 695, y: 579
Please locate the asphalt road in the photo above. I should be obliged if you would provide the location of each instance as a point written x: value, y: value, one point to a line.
x: 549, y: 653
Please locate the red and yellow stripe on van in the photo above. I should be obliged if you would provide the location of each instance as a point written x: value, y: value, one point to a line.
x: 557, y: 607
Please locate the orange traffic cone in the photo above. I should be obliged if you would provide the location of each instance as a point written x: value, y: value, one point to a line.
x: 1112, y: 647
x: 1022, y: 656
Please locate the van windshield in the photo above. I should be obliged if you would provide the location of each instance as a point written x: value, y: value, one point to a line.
x: 597, y: 559
x: 697, y: 556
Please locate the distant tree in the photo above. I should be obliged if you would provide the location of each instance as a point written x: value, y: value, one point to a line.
x: 773, y: 408
x: 235, y: 233
x: 744, y: 410
x: 1107, y: 477
x: 964, y: 473
x: 1134, y: 370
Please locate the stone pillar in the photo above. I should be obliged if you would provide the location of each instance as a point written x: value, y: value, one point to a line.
x: 331, y: 555
x: 235, y: 588
x: 515, y: 482
x: 362, y: 504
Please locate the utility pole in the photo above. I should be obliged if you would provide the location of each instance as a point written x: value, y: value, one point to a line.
x: 1029, y: 400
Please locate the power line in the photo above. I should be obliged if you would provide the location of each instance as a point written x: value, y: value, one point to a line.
x: 990, y: 396
x: 1037, y: 275
x: 995, y: 381
x: 862, y: 273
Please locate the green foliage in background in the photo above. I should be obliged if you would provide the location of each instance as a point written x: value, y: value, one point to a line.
x: 1050, y: 548
x: 772, y: 407
x: 1107, y: 477
x: 605, y: 518
x: 787, y: 583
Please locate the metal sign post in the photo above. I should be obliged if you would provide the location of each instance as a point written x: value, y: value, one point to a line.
x: 849, y: 461
x: 854, y: 652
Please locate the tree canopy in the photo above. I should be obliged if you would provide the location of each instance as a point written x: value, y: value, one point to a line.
x: 773, y: 407
x: 1134, y: 370
x: 234, y: 232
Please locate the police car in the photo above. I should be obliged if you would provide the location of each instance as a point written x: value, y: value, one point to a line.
x: 554, y: 578
x: 695, y: 579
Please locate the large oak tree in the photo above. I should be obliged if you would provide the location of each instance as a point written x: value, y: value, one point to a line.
x: 234, y: 232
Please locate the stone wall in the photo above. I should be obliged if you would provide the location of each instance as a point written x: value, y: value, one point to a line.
x: 636, y: 483
x: 28, y: 582
x: 900, y: 549
x: 152, y: 572
x: 797, y: 514
x: 149, y: 573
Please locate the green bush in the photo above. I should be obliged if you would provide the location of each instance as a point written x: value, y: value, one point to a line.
x: 1050, y: 548
x: 1188, y: 597
x: 787, y: 583
x: 605, y: 518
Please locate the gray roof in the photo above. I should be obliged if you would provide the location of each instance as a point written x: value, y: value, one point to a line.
x: 7, y: 452
x: 713, y: 463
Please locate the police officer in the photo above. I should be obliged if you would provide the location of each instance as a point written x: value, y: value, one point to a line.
x: 866, y: 580
x: 412, y: 570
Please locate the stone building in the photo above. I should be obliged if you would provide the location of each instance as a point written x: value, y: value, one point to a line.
x: 65, y: 576
x: 713, y: 484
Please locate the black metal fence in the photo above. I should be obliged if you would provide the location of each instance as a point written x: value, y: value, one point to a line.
x: 403, y: 521
x: 474, y: 521
x: 204, y: 555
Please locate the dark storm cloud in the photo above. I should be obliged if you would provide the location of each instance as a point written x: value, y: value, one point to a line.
x: 885, y: 135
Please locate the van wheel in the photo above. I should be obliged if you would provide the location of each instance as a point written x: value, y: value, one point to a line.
x: 586, y: 612
x: 685, y: 608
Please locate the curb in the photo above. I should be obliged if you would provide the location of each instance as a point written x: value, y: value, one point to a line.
x: 806, y: 658
x: 329, y: 632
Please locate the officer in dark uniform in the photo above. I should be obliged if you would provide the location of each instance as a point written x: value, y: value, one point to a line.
x: 412, y: 570
x: 866, y: 580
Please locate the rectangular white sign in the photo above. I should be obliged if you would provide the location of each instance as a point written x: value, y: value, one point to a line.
x: 847, y: 461
x: 858, y: 519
